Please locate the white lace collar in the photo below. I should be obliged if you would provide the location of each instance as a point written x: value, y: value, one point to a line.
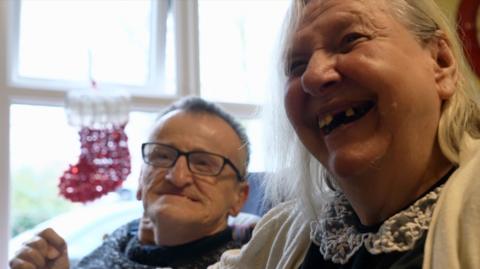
x: 339, y: 239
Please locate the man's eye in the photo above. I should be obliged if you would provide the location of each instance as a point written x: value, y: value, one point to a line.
x: 203, y: 162
x: 160, y: 156
x: 200, y: 162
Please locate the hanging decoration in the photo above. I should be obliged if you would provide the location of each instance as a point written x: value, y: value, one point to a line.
x: 468, y: 19
x: 104, y: 161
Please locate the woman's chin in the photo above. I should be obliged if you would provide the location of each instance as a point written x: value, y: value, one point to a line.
x: 356, y: 163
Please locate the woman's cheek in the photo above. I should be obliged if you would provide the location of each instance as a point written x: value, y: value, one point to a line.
x: 359, y: 65
x: 295, y: 102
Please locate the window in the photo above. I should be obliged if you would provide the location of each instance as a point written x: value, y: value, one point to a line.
x: 157, y: 50
x: 237, y: 43
x: 112, y: 42
x: 112, y: 45
x: 44, y: 145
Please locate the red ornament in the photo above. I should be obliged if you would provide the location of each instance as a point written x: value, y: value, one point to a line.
x: 104, y: 164
x: 468, y: 31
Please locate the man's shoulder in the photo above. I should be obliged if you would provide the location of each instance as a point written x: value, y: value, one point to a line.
x: 127, y: 230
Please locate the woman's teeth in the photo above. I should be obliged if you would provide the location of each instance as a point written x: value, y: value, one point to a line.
x: 349, y: 112
x: 328, y: 119
x: 325, y: 121
x: 331, y: 121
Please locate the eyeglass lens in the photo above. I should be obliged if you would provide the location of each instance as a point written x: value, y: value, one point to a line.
x: 198, y: 162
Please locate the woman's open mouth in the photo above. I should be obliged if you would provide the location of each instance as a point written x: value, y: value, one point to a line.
x: 330, y: 122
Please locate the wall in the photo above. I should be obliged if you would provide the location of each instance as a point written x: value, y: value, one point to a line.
x: 449, y: 6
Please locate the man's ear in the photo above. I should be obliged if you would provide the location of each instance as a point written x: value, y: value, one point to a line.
x: 446, y: 73
x: 139, y: 192
x: 140, y: 186
x: 240, y: 199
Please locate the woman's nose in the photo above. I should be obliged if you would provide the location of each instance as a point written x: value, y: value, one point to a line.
x: 320, y: 74
x: 179, y: 174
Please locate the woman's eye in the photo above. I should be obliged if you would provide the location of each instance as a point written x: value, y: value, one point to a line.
x: 296, y: 68
x: 349, y: 40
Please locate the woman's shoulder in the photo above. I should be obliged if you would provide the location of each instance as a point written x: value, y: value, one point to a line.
x: 284, y: 214
x: 280, y: 240
x: 456, y: 217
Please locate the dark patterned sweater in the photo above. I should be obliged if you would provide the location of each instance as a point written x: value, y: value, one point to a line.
x: 122, y: 250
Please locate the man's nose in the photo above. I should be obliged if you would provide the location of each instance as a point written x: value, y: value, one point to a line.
x: 179, y: 174
x: 320, y: 73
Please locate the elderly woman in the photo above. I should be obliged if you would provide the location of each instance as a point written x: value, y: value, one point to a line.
x: 385, y: 151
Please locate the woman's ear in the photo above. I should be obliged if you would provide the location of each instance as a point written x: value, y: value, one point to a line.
x: 240, y: 199
x: 446, y: 73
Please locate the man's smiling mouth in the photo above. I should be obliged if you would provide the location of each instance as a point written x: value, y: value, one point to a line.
x: 177, y: 194
x: 329, y: 122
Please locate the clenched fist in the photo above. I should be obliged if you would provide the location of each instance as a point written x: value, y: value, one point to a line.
x: 47, y: 250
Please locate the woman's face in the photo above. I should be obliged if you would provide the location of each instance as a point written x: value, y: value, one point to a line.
x: 363, y: 95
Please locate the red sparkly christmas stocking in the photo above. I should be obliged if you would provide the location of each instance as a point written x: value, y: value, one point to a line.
x: 103, y: 165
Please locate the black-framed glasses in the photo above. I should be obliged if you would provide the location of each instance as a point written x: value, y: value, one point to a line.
x: 198, y: 162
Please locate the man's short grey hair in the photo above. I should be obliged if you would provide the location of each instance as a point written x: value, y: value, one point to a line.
x: 197, y: 105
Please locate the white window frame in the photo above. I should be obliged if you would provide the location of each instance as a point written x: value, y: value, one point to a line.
x: 185, y: 15
x: 4, y: 137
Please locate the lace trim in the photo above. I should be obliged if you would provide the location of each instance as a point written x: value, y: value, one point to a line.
x: 339, y: 240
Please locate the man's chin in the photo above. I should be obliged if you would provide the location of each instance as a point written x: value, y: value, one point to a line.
x: 170, y: 212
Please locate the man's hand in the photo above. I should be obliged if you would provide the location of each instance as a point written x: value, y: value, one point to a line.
x: 47, y: 250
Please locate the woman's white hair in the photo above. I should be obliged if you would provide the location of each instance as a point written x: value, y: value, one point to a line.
x: 298, y: 175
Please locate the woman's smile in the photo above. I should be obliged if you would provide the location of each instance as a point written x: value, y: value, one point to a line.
x: 330, y: 121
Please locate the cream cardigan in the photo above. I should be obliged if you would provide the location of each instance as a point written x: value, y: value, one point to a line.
x: 282, y: 237
x: 453, y: 240
x: 280, y: 240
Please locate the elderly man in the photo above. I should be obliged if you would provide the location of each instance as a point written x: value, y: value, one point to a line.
x: 192, y: 180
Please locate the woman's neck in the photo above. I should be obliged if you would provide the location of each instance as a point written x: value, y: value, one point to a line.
x: 374, y: 203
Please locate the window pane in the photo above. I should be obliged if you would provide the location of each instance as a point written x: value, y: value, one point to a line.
x: 238, y: 39
x: 66, y: 40
x: 42, y: 146
x: 255, y: 132
x: 170, y: 77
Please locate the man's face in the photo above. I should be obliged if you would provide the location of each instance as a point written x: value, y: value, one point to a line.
x: 363, y: 95
x: 183, y: 203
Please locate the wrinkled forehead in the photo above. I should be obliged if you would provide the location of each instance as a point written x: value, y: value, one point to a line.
x: 328, y: 2
x: 326, y: 16
x: 316, y: 8
x: 189, y: 131
x: 187, y: 123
